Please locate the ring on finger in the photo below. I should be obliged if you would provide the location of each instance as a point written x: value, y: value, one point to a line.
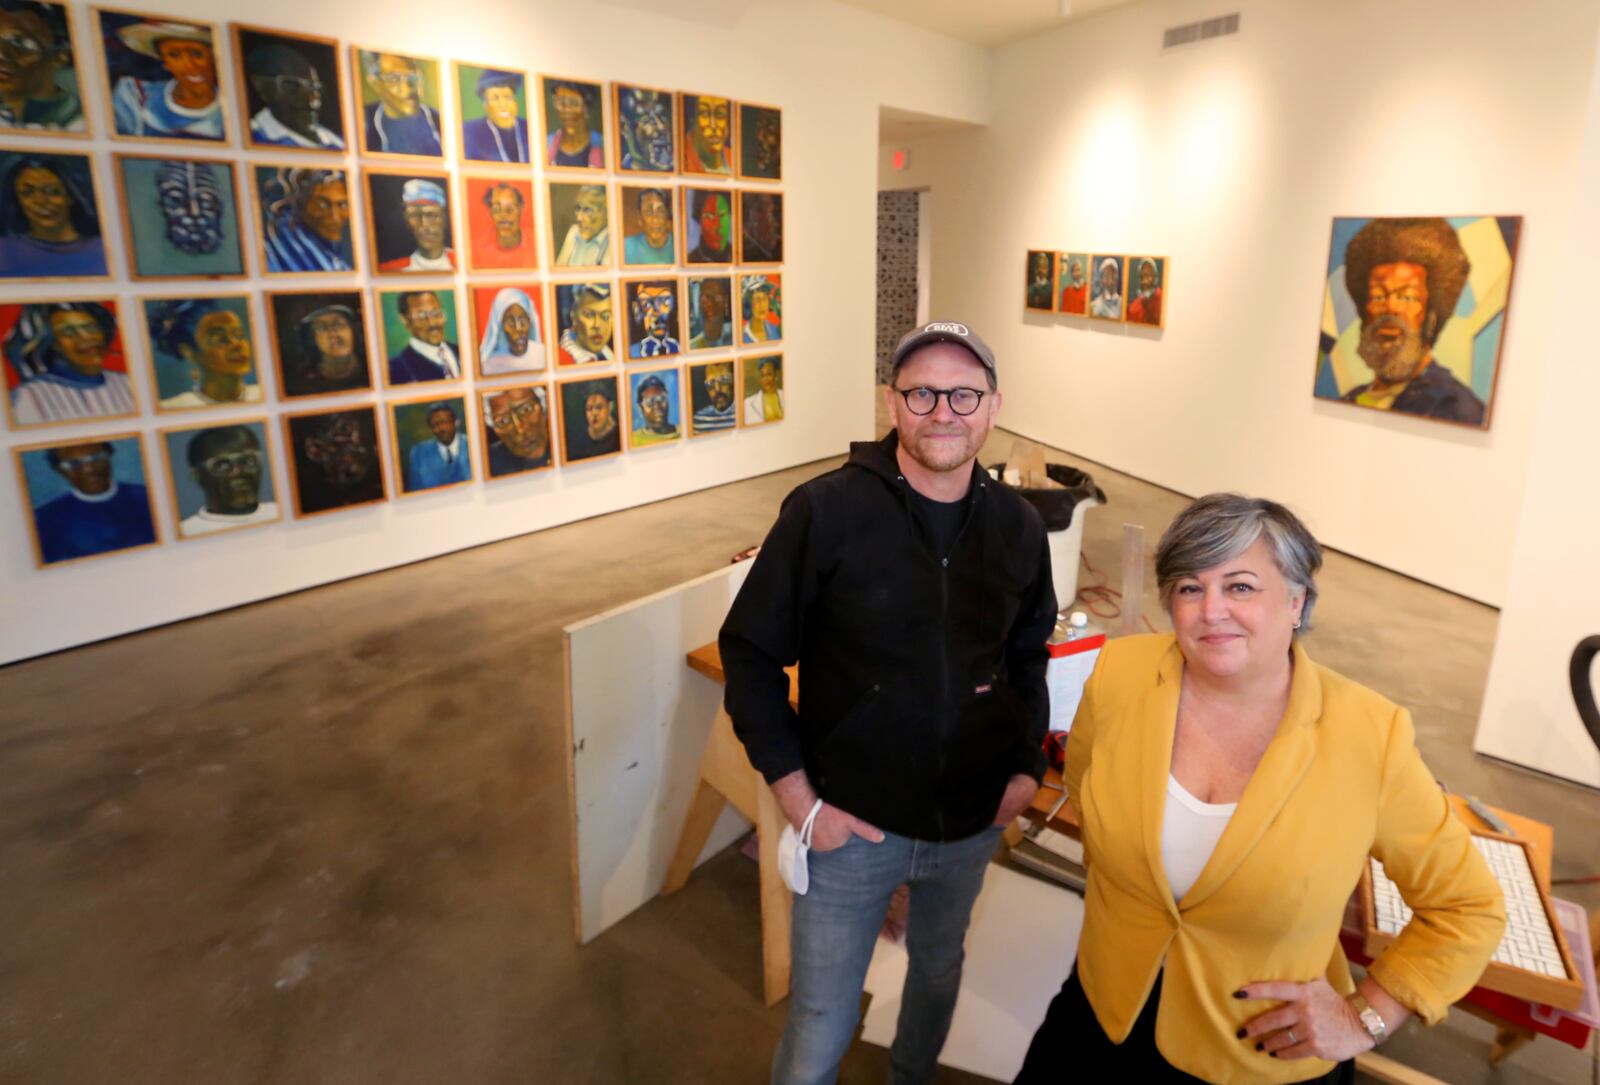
x: 1292, y: 1040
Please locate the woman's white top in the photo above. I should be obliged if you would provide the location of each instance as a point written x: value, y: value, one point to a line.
x: 1189, y: 834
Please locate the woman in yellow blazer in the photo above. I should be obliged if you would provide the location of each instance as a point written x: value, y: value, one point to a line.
x: 1230, y: 791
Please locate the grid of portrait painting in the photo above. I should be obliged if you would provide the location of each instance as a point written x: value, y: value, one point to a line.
x: 457, y: 272
x: 1126, y: 289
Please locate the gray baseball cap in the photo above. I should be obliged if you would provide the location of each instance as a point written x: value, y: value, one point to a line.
x: 944, y: 331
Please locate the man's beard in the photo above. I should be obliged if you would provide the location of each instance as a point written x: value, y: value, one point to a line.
x: 943, y: 455
x: 1392, y: 360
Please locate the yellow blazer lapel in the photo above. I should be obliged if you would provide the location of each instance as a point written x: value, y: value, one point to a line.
x: 1282, y: 767
x: 1155, y: 761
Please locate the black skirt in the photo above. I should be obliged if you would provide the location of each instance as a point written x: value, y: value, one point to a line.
x: 1071, y: 1037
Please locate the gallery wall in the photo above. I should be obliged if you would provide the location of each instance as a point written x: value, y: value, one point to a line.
x: 1232, y: 157
x: 829, y: 67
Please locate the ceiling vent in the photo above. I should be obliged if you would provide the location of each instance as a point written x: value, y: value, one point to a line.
x: 1204, y: 30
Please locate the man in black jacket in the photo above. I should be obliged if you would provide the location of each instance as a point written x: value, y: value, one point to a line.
x: 915, y: 593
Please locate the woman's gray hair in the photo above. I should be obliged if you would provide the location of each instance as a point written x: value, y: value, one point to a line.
x: 1219, y: 527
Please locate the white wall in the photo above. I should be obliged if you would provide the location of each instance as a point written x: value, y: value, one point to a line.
x: 1553, y: 598
x: 1232, y: 157
x: 829, y: 66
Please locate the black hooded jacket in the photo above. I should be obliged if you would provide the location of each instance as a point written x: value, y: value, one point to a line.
x: 922, y: 675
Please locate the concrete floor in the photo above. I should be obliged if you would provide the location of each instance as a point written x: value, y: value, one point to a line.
x: 324, y: 838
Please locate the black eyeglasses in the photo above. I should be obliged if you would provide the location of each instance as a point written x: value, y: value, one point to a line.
x: 925, y: 400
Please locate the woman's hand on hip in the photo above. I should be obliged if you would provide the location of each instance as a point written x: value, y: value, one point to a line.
x: 1313, y: 1021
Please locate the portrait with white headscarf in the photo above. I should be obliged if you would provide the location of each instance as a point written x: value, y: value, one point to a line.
x: 510, y: 330
x: 1105, y: 289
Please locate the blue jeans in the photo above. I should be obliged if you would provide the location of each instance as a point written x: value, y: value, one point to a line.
x: 835, y: 927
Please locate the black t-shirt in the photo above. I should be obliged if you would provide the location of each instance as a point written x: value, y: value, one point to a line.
x: 940, y: 520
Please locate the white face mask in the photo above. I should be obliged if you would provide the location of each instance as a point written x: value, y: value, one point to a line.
x: 792, y: 849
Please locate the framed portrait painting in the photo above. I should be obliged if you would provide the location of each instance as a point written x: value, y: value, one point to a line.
x: 86, y: 497
x: 580, y: 225
x: 202, y: 351
x: 421, y: 335
x: 64, y: 362
x: 509, y: 328
x: 707, y: 226
x: 163, y: 75
x: 1041, y: 292
x: 1146, y: 277
x: 398, y: 98
x: 1072, y: 283
x: 220, y: 477
x: 590, y: 422
x: 335, y: 459
x: 760, y: 142
x: 584, y: 323
x: 761, y: 389
x: 1414, y: 313
x: 41, y: 93
x: 432, y: 447
x: 493, y: 107
x: 708, y: 139
x: 648, y: 232
x: 713, y: 407
x: 1105, y: 287
x: 655, y: 407
x: 500, y: 231
x: 290, y: 90
x: 710, y: 311
x: 51, y: 226
x: 760, y: 308
x: 655, y: 319
x: 409, y: 223
x: 303, y: 220
x: 516, y: 430
x: 646, y: 129
x: 760, y: 227
x: 319, y: 338
x: 574, y: 124
x: 181, y: 216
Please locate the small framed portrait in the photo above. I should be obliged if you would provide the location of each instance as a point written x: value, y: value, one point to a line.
x: 760, y: 308
x: 760, y: 227
x: 493, y: 103
x: 409, y: 222
x: 43, y: 95
x: 707, y: 226
x: 64, y: 362
x: 584, y: 334
x: 1072, y: 283
x: 654, y: 318
x: 86, y: 497
x: 50, y: 221
x: 589, y: 420
x: 220, y: 477
x: 398, y: 98
x: 290, y: 90
x: 421, y: 335
x: 1105, y: 288
x: 516, y: 430
x: 500, y: 233
x: 335, y: 459
x: 646, y: 135
x: 710, y: 310
x: 1041, y: 293
x: 303, y: 215
x: 762, y: 389
x: 580, y: 227
x: 574, y: 123
x: 508, y: 328
x: 163, y: 76
x: 648, y: 233
x: 320, y: 338
x: 707, y: 126
x: 182, y: 217
x: 431, y: 446
x: 712, y: 406
x: 655, y: 407
x: 760, y: 142
x: 202, y: 351
x: 1146, y: 277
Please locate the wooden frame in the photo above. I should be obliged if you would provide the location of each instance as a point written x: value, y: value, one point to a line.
x: 1094, y: 277
x: 693, y: 376
x: 567, y: 460
x: 628, y: 196
x: 289, y: 419
x: 74, y: 45
x: 369, y: 207
x: 101, y: 213
x: 554, y: 309
x: 547, y: 129
x: 739, y: 325
x: 477, y: 292
x: 616, y: 127
x: 336, y: 94
x: 29, y: 509
x: 153, y: 367
x: 530, y: 135
x: 560, y: 230
x: 427, y: 67
x: 381, y: 317
x: 163, y: 438
x: 686, y: 218
x: 739, y: 162
x: 1062, y: 260
x: 744, y: 218
x: 629, y: 289
x: 1027, y: 296
x: 731, y: 322
x: 485, y: 428
x: 458, y: 397
x: 108, y: 85
x: 686, y: 127
x: 279, y: 355
x: 749, y: 365
x: 261, y: 218
x: 120, y: 161
x: 632, y: 378
x: 118, y: 340
x: 472, y: 197
x: 1164, y: 278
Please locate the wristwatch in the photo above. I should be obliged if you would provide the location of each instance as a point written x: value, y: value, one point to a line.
x: 1371, y: 1020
